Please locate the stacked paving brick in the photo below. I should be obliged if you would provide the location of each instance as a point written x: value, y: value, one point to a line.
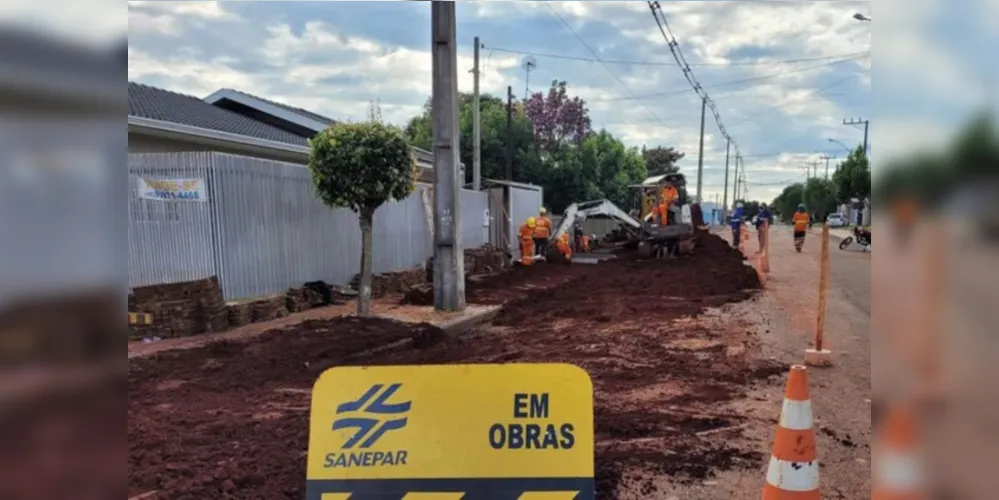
x: 481, y: 260
x: 179, y: 309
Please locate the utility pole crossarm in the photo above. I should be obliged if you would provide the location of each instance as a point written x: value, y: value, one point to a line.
x: 867, y: 127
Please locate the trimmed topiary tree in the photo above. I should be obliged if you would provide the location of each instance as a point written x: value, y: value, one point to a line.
x: 361, y: 166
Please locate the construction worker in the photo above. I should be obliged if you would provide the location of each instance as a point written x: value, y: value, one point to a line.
x: 586, y: 242
x: 668, y: 197
x: 562, y: 244
x: 527, y: 241
x: 542, y: 231
x: 736, y: 223
x: 764, y: 219
x: 801, y: 221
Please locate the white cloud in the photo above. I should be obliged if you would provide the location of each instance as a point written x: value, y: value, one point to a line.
x: 189, y: 8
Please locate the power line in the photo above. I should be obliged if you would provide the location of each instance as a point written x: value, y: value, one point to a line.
x: 738, y: 82
x: 688, y: 73
x: 794, y: 100
x: 602, y: 63
x: 660, y: 63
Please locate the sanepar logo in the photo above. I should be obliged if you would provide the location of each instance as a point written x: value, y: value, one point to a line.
x: 372, y: 415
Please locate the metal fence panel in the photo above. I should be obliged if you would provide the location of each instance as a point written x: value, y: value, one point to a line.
x: 169, y: 241
x: 524, y: 203
x: 474, y: 218
x: 262, y: 230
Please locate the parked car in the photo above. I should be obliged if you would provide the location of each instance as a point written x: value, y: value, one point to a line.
x: 837, y: 220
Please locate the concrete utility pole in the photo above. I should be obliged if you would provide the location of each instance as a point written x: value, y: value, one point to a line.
x: 476, y: 124
x: 867, y: 127
x: 827, y: 158
x: 449, y: 261
x: 700, y: 157
x: 735, y: 182
x: 509, y: 133
x: 728, y: 149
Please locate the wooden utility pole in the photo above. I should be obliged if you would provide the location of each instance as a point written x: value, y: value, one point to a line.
x: 820, y: 356
x: 449, y: 261
x: 476, y: 124
x: 509, y: 133
x: 700, y: 157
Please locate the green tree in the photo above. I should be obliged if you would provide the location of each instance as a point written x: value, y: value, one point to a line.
x: 660, y: 160
x: 820, y: 197
x: 419, y: 131
x: 361, y: 166
x: 852, y: 178
x: 786, y: 203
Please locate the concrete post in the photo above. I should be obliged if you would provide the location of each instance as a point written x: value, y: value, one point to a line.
x: 449, y: 262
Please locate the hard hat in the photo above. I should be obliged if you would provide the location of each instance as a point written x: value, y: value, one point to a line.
x: 544, y: 210
x: 738, y: 205
x: 801, y: 206
x: 531, y: 222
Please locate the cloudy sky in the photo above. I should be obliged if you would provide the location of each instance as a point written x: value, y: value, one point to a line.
x: 784, y: 74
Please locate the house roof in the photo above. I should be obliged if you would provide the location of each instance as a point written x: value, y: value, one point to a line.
x: 221, y: 94
x: 301, y: 117
x: 163, y: 105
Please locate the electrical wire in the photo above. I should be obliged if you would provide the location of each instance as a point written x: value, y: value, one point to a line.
x: 739, y: 82
x: 688, y: 73
x: 659, y: 63
x: 607, y: 68
x: 794, y: 100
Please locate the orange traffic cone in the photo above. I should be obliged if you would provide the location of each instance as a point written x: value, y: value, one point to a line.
x: 793, y: 473
x: 897, y: 473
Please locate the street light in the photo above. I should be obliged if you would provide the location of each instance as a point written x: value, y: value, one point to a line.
x: 848, y: 150
x: 860, y: 17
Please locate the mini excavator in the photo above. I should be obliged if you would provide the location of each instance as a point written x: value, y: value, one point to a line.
x: 653, y: 239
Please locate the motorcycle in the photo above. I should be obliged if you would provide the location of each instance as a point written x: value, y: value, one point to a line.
x: 860, y: 235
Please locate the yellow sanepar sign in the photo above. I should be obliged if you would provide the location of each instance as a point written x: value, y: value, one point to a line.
x: 452, y: 429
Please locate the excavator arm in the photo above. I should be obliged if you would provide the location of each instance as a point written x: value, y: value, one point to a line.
x: 593, y: 208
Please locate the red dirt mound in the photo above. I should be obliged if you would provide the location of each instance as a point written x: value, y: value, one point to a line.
x: 230, y: 420
x: 500, y: 287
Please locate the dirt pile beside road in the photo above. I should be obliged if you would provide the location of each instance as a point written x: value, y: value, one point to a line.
x: 659, y: 377
x: 230, y: 420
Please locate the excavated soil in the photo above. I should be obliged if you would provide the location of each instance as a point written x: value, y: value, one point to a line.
x: 230, y: 420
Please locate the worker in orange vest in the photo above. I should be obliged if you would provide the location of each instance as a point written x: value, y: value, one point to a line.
x: 542, y: 231
x: 667, y: 198
x: 562, y: 244
x: 527, y: 241
x: 586, y: 243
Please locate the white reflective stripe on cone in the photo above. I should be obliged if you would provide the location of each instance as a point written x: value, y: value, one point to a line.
x: 796, y: 415
x: 793, y: 476
x: 898, y: 472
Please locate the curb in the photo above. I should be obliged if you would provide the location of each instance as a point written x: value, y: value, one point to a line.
x: 459, y: 326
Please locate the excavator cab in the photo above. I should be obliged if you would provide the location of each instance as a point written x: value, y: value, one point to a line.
x: 673, y: 238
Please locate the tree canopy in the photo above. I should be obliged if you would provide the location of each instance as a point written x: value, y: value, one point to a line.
x: 554, y: 146
x: 818, y: 195
x: 852, y: 178
x: 361, y: 166
x: 660, y: 160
